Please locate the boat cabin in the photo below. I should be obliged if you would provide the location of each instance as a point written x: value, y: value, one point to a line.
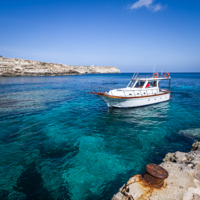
x: 141, y: 86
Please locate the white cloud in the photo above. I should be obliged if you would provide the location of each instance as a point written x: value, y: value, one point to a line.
x: 157, y: 7
x: 141, y: 3
x: 148, y: 4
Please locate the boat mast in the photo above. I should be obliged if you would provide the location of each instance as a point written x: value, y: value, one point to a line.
x: 154, y: 69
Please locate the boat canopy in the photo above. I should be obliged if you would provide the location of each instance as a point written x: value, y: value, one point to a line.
x: 145, y: 77
x: 138, y: 81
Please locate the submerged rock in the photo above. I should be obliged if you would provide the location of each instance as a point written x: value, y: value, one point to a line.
x: 183, y: 182
x: 20, y: 67
x: 91, y: 168
x: 193, y: 133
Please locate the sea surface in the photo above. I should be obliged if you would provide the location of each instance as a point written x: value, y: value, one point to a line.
x: 58, y: 142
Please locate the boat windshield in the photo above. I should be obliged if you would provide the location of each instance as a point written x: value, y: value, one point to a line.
x: 153, y: 83
x: 139, y: 84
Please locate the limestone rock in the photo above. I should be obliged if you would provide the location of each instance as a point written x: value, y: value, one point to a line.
x: 180, y: 157
x: 20, y: 67
x: 119, y: 196
x: 196, y: 146
x: 169, y: 157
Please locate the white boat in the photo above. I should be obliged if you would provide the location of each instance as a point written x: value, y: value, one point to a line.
x: 141, y: 91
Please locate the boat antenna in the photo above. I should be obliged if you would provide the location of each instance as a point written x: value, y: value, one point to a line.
x: 154, y: 69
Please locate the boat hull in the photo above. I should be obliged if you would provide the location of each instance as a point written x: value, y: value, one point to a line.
x: 134, y: 102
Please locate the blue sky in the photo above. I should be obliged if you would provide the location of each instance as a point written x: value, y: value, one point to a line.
x: 133, y: 35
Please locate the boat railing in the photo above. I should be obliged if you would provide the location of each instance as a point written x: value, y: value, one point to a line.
x: 137, y: 76
x: 100, y: 89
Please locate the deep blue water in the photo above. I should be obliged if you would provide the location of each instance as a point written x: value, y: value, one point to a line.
x: 59, y: 142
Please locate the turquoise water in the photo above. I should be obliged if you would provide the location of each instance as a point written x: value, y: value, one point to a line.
x: 59, y: 142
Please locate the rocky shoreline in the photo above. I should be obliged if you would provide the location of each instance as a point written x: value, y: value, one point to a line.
x: 183, y: 182
x: 20, y: 67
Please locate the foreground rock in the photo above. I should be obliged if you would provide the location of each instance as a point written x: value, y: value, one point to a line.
x: 183, y: 182
x: 20, y: 67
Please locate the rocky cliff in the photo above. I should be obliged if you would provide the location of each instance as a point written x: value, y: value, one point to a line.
x: 20, y: 67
